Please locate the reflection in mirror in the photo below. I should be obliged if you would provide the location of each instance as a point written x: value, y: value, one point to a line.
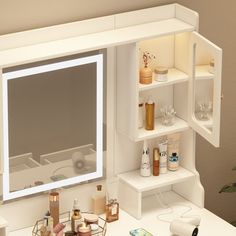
x: 203, y: 84
x: 54, y: 125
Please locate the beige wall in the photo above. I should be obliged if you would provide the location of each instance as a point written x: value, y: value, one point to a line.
x: 216, y: 22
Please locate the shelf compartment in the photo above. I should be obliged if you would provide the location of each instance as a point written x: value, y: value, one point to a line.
x: 142, y: 184
x: 203, y: 73
x: 174, y: 76
x: 93, y: 41
x: 160, y: 130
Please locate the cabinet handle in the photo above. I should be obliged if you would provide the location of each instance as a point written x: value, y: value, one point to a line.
x: 222, y: 96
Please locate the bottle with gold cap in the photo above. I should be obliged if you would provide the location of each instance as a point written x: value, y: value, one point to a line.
x: 156, y: 161
x: 54, y: 207
x: 99, y: 201
x: 150, y: 114
x: 76, y: 218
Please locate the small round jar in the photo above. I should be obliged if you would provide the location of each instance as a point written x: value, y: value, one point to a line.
x: 90, y: 218
x: 84, y: 230
x: 212, y: 66
x: 160, y: 74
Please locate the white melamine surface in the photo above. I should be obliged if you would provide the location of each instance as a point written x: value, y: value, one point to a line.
x: 3, y: 222
x: 174, y: 76
x: 210, y: 223
x: 141, y: 184
x: 91, y: 42
x: 202, y: 72
x: 161, y: 130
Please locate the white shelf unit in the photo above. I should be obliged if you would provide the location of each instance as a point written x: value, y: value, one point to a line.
x: 187, y: 55
x: 169, y: 31
x: 161, y: 130
x: 174, y: 76
x: 140, y: 184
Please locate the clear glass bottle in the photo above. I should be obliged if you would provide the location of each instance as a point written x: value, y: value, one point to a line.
x: 99, y: 201
x: 76, y: 218
x: 112, y: 210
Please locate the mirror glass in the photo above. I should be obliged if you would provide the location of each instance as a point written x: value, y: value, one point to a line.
x: 53, y: 119
x: 204, y: 82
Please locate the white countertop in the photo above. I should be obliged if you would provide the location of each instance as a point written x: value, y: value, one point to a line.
x: 210, y: 224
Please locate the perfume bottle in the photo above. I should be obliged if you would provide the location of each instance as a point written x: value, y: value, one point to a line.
x: 112, y: 210
x: 156, y: 161
x: 145, y: 169
x: 99, y: 201
x: 54, y: 207
x: 48, y: 225
x: 76, y: 218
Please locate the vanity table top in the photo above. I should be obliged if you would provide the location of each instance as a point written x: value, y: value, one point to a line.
x: 210, y: 225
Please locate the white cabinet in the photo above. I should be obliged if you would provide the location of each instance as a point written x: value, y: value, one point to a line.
x: 192, y: 89
x: 169, y: 32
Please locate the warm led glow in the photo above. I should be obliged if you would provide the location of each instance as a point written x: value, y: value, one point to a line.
x: 98, y: 59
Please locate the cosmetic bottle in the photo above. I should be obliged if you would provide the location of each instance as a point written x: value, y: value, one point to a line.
x: 173, y: 151
x: 150, y: 116
x: 112, y: 210
x: 156, y: 161
x: 76, y: 218
x: 54, y: 207
x: 47, y: 230
x: 173, y: 162
x: 99, y: 201
x: 163, y: 156
x: 145, y: 169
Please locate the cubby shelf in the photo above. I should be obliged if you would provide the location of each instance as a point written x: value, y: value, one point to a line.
x: 202, y: 72
x: 141, y: 184
x: 174, y: 76
x: 160, y: 130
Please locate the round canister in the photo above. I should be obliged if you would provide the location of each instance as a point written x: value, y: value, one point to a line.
x: 90, y: 218
x: 160, y: 74
x: 84, y: 230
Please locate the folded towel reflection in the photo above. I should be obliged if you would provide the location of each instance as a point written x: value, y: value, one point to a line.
x: 79, y: 162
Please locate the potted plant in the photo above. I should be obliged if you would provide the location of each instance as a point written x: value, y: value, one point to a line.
x: 229, y: 188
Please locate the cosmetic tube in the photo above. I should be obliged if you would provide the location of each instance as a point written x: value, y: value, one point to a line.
x: 163, y: 157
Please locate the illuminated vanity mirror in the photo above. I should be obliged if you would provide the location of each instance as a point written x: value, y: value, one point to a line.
x: 52, y: 125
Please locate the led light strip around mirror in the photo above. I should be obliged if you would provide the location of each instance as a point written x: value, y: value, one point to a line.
x: 98, y: 59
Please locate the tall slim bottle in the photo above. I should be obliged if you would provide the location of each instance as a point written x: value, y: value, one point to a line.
x: 54, y: 207
x: 150, y: 114
x: 99, y: 201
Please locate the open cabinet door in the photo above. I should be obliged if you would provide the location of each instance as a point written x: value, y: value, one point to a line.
x: 205, y: 88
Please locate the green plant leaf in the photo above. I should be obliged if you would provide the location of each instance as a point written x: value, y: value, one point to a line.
x: 234, y: 168
x: 228, y: 188
x: 234, y: 223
